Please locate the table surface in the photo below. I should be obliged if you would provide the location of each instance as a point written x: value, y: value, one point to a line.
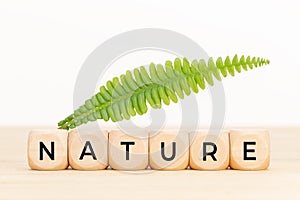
x: 281, y: 180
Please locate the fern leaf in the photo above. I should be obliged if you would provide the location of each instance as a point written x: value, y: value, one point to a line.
x: 131, y: 93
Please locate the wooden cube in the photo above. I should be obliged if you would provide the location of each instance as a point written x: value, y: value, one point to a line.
x: 128, y: 151
x: 47, y: 149
x: 209, y: 151
x: 169, y: 150
x: 88, y: 149
x: 249, y: 149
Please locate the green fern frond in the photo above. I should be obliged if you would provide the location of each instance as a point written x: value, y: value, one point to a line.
x: 129, y: 94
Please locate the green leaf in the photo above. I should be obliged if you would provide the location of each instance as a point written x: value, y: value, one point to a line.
x: 131, y: 93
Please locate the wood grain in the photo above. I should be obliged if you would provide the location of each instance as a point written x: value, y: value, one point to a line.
x: 280, y: 181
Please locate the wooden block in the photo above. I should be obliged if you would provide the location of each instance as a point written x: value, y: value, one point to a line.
x: 88, y: 149
x: 169, y: 150
x: 47, y: 149
x: 128, y: 152
x: 249, y: 149
x: 209, y: 151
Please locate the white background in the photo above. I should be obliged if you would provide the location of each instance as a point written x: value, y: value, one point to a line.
x: 44, y: 43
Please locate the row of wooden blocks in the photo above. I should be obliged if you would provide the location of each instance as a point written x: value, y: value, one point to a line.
x: 162, y: 150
